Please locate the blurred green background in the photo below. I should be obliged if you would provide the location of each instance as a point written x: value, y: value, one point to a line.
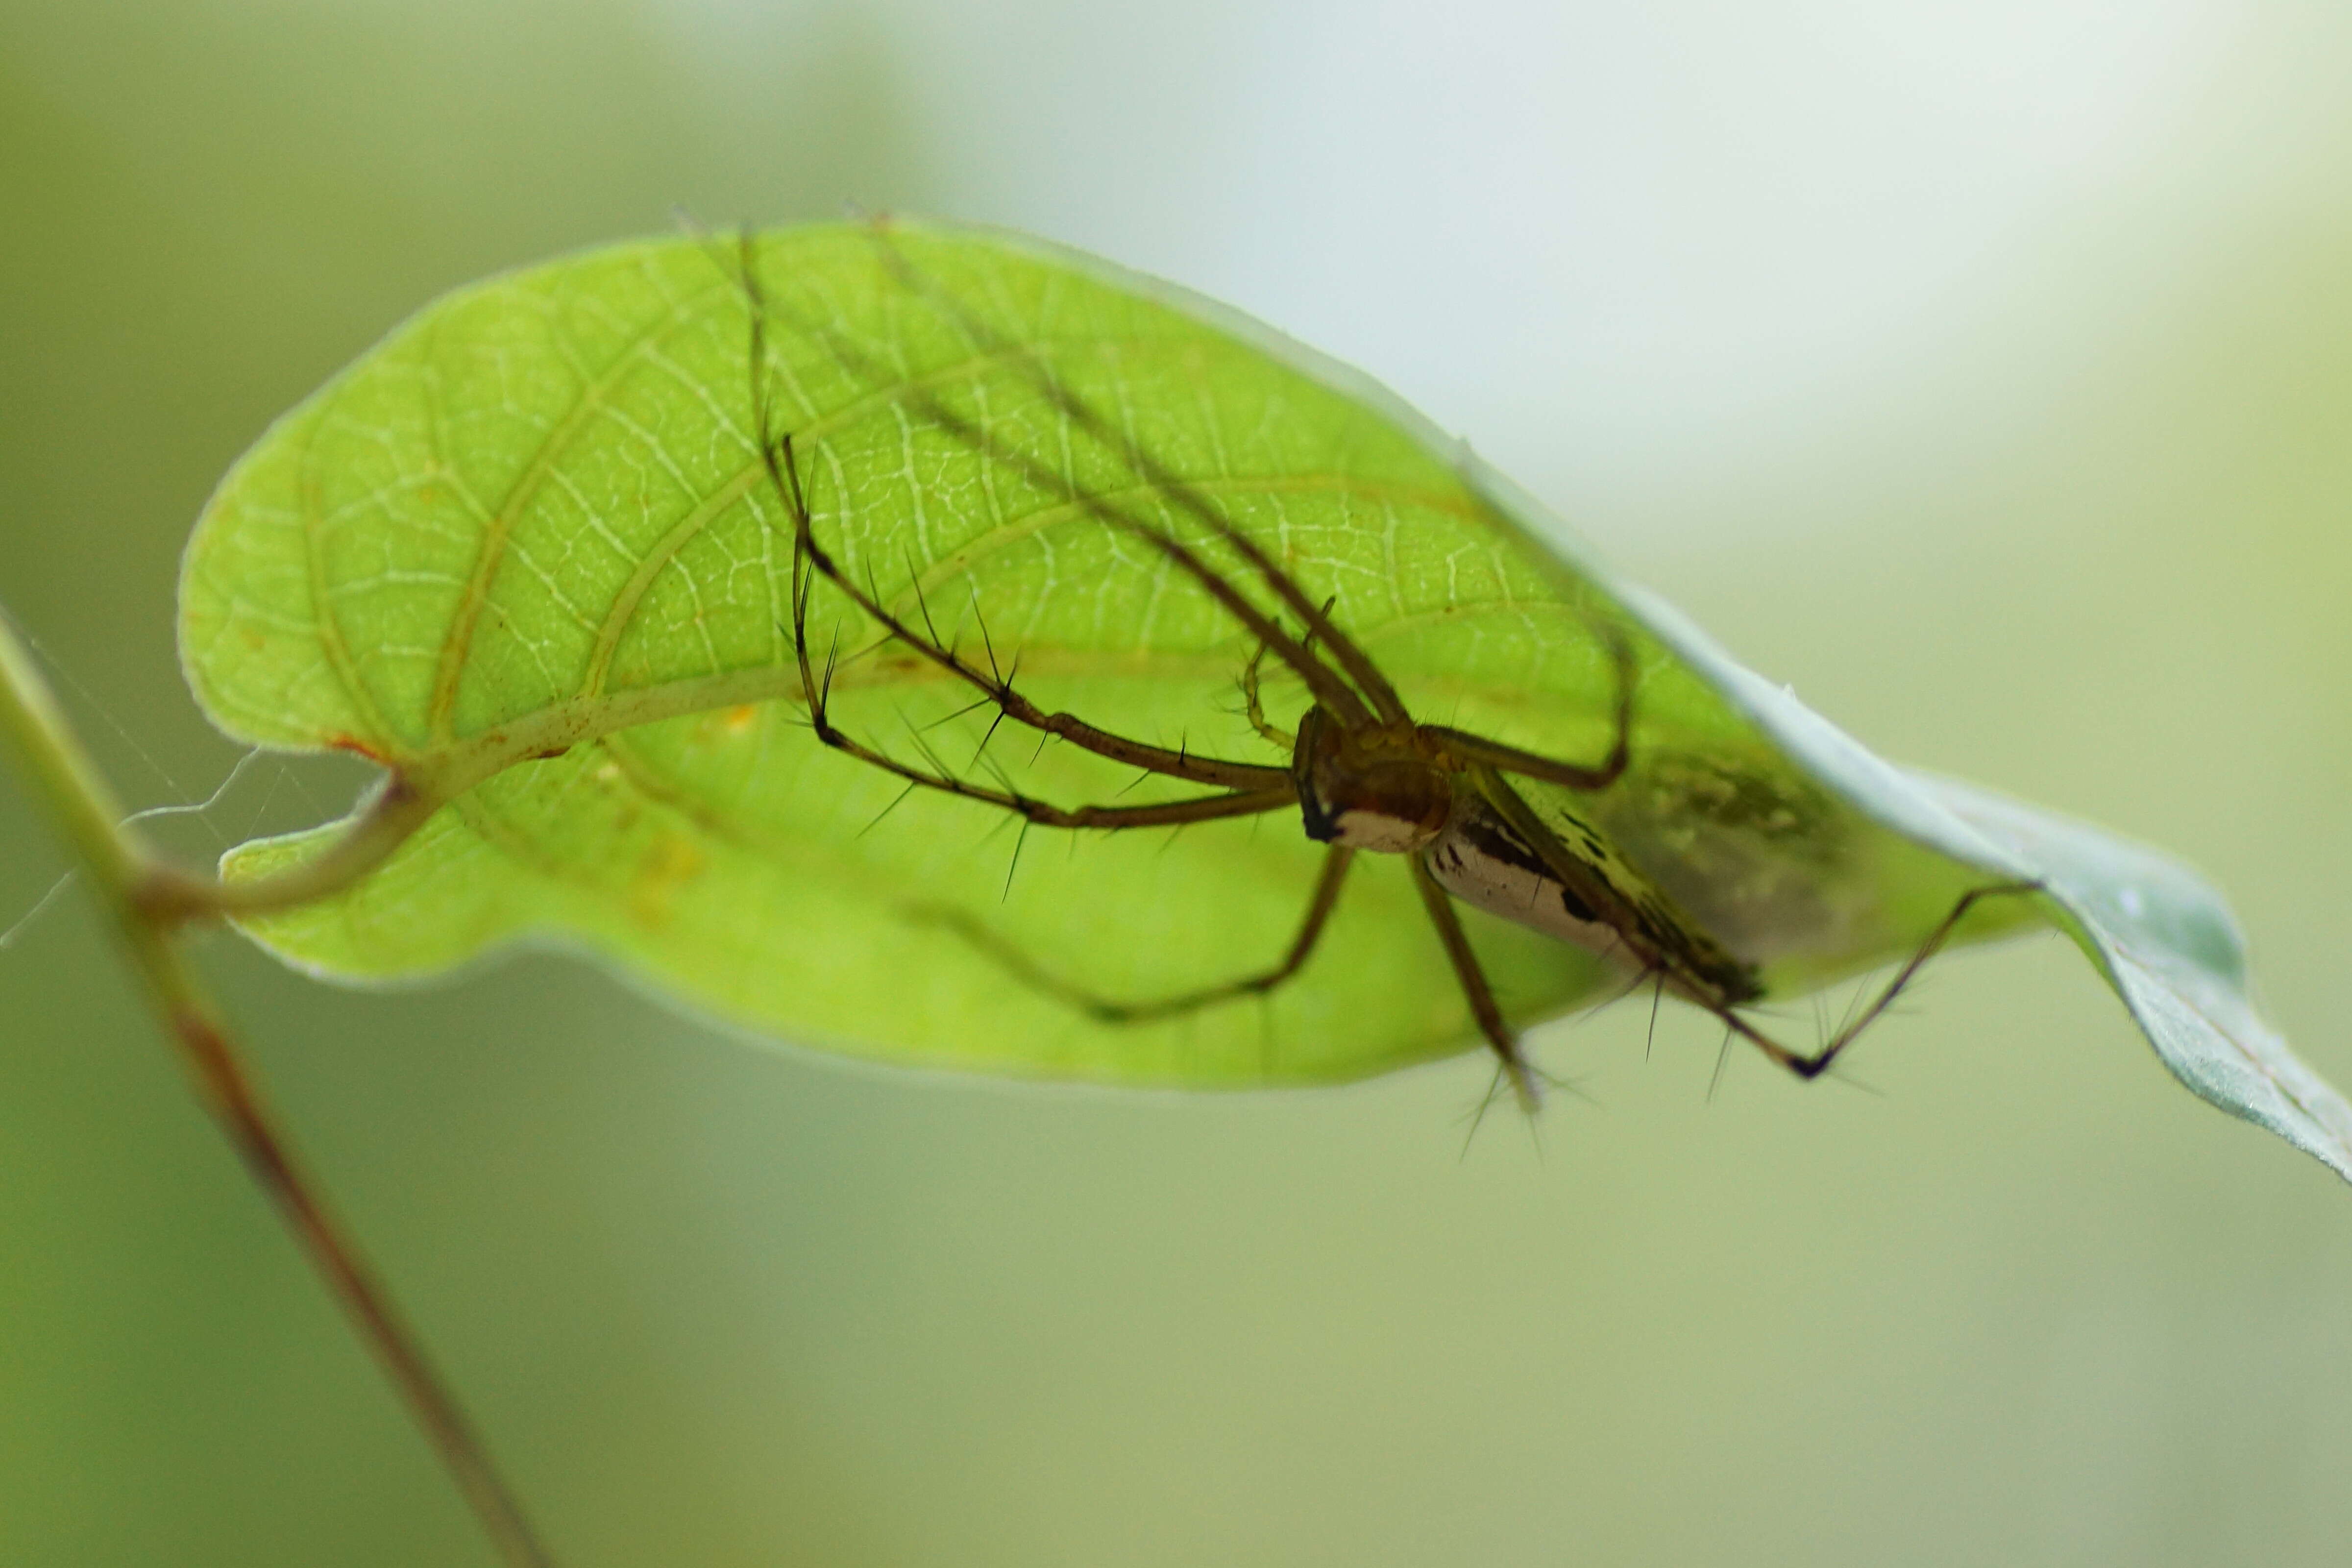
x: 1984, y: 370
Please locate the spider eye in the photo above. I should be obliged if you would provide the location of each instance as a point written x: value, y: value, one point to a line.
x: 1321, y: 823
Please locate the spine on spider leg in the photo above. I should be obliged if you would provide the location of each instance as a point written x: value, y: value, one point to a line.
x: 124, y: 872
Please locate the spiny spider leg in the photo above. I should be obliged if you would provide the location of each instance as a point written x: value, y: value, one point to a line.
x: 1196, y: 809
x: 1471, y: 748
x: 1481, y: 995
x: 1111, y: 1011
x: 1199, y: 808
x: 1329, y: 686
x: 1360, y: 668
x: 784, y: 473
x: 1812, y: 1067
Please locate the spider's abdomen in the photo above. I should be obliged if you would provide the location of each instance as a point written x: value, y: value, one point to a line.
x: 1478, y: 860
x: 1590, y: 896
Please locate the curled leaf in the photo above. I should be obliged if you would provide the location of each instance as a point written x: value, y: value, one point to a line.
x: 527, y: 554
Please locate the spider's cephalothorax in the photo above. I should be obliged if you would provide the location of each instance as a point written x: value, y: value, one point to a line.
x: 1370, y: 787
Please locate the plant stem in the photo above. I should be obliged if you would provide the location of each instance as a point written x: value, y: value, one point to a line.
x: 171, y: 896
x: 126, y: 877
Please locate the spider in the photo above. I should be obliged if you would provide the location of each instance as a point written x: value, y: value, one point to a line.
x: 1365, y: 775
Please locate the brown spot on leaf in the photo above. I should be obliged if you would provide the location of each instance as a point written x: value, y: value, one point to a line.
x: 669, y: 862
x: 342, y: 741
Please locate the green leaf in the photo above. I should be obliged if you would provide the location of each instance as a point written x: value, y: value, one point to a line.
x: 526, y: 554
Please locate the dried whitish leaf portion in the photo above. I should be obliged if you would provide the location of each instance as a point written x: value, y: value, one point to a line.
x: 524, y: 553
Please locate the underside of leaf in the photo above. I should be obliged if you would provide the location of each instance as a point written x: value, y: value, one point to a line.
x: 527, y: 556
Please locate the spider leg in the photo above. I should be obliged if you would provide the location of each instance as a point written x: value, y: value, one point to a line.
x: 1329, y: 686
x: 818, y: 689
x: 993, y: 686
x: 1530, y: 764
x: 1111, y: 1010
x: 810, y: 558
x: 1814, y: 1066
x: 1195, y: 808
x: 1480, y: 994
x: 1358, y: 666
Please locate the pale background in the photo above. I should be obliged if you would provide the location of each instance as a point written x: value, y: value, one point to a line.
x: 1984, y: 369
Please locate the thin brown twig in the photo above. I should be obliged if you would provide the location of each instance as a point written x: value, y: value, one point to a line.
x: 127, y: 876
